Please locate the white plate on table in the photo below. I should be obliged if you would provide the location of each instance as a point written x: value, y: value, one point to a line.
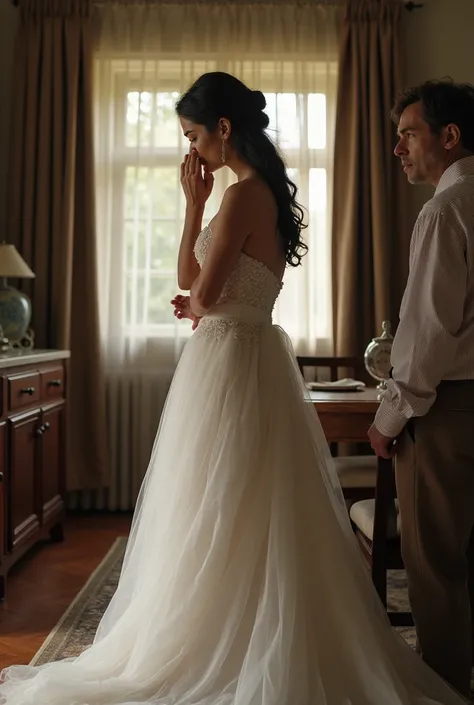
x: 341, y: 385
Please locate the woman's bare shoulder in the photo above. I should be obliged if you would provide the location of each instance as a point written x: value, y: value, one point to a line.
x: 254, y: 195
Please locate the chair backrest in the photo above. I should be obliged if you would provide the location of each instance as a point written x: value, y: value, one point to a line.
x: 354, y: 366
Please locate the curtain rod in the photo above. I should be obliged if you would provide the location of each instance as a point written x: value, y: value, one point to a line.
x: 409, y: 5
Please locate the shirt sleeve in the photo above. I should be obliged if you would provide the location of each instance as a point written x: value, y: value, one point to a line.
x: 431, y: 316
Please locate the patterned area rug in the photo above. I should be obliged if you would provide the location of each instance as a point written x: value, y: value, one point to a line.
x: 75, y: 631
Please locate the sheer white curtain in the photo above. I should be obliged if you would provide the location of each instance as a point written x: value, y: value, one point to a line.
x: 146, y: 56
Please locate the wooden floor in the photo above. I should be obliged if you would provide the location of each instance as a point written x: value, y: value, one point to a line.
x: 44, y: 583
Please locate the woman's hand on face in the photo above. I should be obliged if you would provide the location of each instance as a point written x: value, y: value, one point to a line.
x: 182, y: 309
x: 197, y: 188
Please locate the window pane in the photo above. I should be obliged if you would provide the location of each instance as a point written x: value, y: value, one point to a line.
x: 148, y: 299
x: 137, y: 192
x: 317, y: 191
x: 283, y: 110
x: 317, y: 121
x: 151, y: 192
x: 135, y: 244
x: 138, y: 118
x: 287, y: 120
x: 164, y: 183
x: 134, y: 299
x: 151, y: 245
x: 164, y: 245
x: 151, y: 119
x: 167, y: 127
x: 161, y: 292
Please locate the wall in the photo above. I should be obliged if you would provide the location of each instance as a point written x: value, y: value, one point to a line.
x: 438, y: 42
x: 8, y: 24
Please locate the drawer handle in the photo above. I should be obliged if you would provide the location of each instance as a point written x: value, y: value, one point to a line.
x: 42, y: 429
x: 54, y: 383
x: 27, y: 390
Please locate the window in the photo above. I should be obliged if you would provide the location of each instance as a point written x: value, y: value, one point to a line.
x: 143, y: 204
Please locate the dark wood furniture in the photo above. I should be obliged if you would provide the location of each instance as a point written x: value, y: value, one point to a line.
x: 357, y: 473
x: 346, y: 416
x: 33, y: 397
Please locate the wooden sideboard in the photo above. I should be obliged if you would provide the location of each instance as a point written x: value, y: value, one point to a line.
x: 33, y: 430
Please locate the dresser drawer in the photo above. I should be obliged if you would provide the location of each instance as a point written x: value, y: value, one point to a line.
x: 23, y: 390
x: 52, y: 383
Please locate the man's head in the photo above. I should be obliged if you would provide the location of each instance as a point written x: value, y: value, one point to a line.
x: 436, y: 128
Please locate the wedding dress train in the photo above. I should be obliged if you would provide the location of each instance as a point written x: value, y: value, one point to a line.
x: 242, y: 583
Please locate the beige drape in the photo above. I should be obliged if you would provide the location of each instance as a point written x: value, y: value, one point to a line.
x: 370, y: 239
x: 50, y: 209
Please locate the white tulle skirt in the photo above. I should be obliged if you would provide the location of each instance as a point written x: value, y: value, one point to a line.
x: 242, y: 583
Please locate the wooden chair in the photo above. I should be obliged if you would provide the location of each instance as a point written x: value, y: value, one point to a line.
x: 376, y: 526
x: 355, y: 365
x: 357, y: 473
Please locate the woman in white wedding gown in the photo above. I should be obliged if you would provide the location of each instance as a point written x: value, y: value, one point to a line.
x: 242, y: 583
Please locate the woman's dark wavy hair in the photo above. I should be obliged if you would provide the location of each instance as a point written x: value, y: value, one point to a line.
x: 219, y: 95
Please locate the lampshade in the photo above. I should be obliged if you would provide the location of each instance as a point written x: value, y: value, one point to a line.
x: 12, y: 264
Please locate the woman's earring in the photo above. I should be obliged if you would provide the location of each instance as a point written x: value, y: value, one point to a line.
x: 223, y: 151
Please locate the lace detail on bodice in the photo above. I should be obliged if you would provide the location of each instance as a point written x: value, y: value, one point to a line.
x: 250, y: 283
x: 217, y: 328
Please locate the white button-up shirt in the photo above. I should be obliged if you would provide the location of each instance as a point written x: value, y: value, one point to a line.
x: 435, y: 337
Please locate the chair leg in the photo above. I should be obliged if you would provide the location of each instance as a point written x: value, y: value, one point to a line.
x: 379, y: 578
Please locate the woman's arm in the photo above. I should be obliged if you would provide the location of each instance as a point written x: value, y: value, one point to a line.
x: 230, y: 230
x: 197, y: 189
x: 188, y: 268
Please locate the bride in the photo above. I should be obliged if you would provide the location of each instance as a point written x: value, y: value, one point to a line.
x: 242, y: 583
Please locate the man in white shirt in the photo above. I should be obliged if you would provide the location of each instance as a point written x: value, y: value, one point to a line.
x: 427, y: 413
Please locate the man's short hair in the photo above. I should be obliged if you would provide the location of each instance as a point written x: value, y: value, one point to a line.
x: 443, y: 102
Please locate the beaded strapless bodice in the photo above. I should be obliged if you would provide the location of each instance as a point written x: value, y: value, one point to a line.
x: 251, y: 283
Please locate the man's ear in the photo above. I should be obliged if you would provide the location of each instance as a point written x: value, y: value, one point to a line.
x: 452, y: 136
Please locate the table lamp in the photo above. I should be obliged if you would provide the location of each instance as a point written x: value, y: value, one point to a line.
x: 15, y: 306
